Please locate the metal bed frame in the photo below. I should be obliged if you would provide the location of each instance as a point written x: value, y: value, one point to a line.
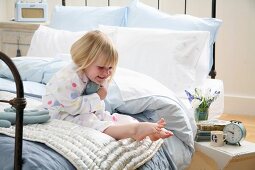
x: 20, y: 102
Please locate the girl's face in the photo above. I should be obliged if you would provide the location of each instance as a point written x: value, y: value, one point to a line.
x: 97, y: 72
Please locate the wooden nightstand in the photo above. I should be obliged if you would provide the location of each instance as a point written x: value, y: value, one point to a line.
x: 227, y: 157
x: 14, y: 35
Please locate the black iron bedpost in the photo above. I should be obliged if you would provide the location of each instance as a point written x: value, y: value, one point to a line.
x: 63, y: 3
x: 213, y: 70
x: 185, y: 7
x: 19, y: 103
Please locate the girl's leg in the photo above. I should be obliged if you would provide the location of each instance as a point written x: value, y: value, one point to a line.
x: 138, y: 131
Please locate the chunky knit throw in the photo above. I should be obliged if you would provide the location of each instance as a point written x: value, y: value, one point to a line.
x: 86, y: 148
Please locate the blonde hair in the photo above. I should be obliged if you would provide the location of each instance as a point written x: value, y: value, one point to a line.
x: 90, y: 47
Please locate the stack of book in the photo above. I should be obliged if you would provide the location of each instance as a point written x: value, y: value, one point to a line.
x: 204, y: 128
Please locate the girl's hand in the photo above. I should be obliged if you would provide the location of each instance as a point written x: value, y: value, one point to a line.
x: 106, y: 83
x: 102, y: 92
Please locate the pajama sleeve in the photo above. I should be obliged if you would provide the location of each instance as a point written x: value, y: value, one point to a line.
x: 64, y: 94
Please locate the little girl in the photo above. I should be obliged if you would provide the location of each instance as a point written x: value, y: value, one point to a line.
x: 94, y: 59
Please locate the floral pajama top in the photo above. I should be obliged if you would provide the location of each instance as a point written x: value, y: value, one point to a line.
x: 65, y: 101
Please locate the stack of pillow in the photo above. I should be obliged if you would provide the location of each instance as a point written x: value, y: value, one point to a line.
x: 136, y: 14
x: 144, y: 36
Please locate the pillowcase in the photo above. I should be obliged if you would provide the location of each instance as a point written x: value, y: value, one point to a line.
x: 34, y: 69
x: 87, y: 18
x: 33, y: 89
x: 178, y: 59
x: 141, y: 15
x: 48, y: 42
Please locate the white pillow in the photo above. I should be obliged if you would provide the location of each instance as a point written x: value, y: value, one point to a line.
x: 178, y: 59
x: 48, y: 42
x: 145, y: 16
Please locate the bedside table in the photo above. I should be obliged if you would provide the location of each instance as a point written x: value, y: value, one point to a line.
x: 230, y: 156
x: 14, y: 35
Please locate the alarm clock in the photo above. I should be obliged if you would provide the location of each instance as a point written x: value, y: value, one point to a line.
x: 235, y: 132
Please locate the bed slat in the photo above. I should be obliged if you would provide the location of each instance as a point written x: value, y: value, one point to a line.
x: 213, y: 70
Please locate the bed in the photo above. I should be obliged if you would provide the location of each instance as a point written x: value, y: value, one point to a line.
x: 183, y: 51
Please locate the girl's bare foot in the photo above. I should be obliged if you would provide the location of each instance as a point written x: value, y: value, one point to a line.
x: 154, y: 130
x: 144, y: 129
x: 161, y: 135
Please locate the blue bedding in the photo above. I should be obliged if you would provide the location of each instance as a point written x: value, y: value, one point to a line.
x: 130, y: 93
x: 39, y: 156
x: 35, y: 156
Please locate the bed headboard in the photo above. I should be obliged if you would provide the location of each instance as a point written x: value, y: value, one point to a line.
x: 212, y: 73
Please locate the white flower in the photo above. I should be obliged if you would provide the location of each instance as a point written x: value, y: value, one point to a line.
x: 195, y: 103
x: 202, y: 99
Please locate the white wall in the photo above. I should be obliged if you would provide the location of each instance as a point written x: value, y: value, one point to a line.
x: 236, y: 53
x: 235, y: 47
x: 3, y: 8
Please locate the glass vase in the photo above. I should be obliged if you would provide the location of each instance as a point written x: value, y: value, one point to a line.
x: 201, y: 115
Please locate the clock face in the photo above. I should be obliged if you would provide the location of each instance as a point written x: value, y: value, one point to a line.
x: 234, y: 133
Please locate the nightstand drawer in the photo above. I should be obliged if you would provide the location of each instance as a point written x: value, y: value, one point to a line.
x: 12, y: 37
x: 16, y: 35
x: 11, y: 49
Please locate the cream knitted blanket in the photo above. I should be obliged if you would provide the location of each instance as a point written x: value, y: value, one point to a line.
x: 86, y: 148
